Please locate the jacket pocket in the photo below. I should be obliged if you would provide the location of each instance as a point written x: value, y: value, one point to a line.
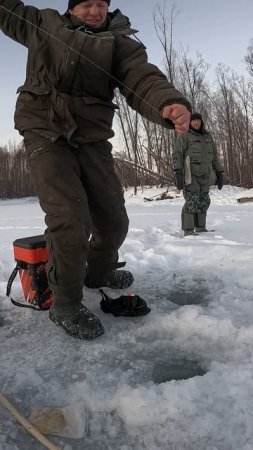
x: 196, y: 155
x: 94, y: 113
x: 33, y: 107
x: 37, y: 97
x: 99, y: 101
x: 195, y: 168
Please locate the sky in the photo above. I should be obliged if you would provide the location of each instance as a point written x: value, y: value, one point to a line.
x: 219, y: 29
x: 179, y: 378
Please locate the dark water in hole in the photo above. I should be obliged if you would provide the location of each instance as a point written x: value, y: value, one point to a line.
x: 176, y: 370
x: 195, y: 297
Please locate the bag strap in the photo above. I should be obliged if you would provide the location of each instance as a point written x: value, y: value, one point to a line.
x: 9, y: 286
x: 25, y: 305
x: 11, y: 279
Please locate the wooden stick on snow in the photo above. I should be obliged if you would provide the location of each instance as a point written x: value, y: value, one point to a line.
x: 27, y: 425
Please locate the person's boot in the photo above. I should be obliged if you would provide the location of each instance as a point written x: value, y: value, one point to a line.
x: 187, y: 221
x: 116, y: 279
x: 200, y: 223
x: 201, y: 230
x: 82, y: 325
x: 190, y: 232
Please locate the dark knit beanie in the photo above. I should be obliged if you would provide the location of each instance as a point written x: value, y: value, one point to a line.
x: 73, y: 3
x: 196, y: 116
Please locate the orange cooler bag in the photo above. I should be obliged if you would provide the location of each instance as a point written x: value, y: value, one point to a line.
x: 31, y: 256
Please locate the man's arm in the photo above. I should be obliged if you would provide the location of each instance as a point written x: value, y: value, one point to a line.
x: 217, y: 166
x: 178, y: 152
x: 147, y: 89
x: 17, y: 20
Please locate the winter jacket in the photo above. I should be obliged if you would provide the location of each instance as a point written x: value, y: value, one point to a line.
x: 67, y: 91
x: 196, y: 154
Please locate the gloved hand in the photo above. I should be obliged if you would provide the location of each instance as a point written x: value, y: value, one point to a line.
x: 219, y: 181
x: 179, y: 178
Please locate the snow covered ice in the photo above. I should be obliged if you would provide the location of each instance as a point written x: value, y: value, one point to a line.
x: 200, y: 289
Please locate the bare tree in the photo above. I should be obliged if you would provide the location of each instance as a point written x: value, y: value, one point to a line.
x: 164, y: 30
x: 15, y: 181
x: 231, y: 123
x: 191, y: 79
x: 249, y: 58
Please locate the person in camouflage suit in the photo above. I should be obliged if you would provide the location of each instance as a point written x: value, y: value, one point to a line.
x: 195, y: 163
x: 65, y: 111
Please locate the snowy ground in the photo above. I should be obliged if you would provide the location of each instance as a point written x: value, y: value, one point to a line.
x: 200, y: 290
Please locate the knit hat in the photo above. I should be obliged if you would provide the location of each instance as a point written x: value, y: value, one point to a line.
x: 73, y: 3
x: 196, y: 116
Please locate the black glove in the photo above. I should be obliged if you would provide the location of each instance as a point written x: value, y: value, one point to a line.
x: 219, y: 180
x: 179, y: 178
x: 127, y: 305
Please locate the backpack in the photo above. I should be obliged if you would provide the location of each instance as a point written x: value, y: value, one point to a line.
x: 31, y: 256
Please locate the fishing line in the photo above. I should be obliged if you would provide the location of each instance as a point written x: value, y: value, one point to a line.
x: 84, y: 57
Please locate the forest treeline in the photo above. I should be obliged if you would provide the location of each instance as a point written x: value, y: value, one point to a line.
x: 145, y: 155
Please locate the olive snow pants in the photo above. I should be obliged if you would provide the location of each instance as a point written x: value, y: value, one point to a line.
x: 85, y: 211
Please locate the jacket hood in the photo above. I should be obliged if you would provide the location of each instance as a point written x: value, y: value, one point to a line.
x: 120, y: 22
x: 197, y: 116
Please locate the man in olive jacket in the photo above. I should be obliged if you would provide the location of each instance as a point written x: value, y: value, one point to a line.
x: 65, y: 111
x: 195, y: 162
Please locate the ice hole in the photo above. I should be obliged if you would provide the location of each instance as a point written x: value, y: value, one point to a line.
x: 176, y: 370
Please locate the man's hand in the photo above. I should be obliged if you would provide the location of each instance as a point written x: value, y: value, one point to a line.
x: 179, y: 115
x: 179, y: 178
x: 219, y: 180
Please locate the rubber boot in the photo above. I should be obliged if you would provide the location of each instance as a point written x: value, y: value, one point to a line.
x: 115, y: 279
x: 187, y: 223
x: 81, y: 324
x: 190, y: 232
x: 200, y: 223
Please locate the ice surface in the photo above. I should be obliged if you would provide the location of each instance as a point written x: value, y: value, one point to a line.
x: 122, y: 377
